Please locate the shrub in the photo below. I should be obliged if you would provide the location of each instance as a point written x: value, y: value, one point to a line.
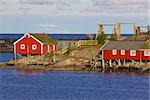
x: 49, y: 55
x: 101, y: 38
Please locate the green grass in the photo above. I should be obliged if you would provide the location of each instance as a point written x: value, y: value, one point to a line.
x: 145, y: 46
x: 49, y: 55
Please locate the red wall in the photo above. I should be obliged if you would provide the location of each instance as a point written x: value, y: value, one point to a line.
x: 144, y: 57
x: 52, y: 47
x: 107, y: 55
x: 28, y: 41
x: 45, y: 48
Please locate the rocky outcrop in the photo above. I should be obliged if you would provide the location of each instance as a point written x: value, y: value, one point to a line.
x: 76, y: 60
x: 72, y: 62
x: 6, y: 45
x: 85, y: 53
x: 34, y: 60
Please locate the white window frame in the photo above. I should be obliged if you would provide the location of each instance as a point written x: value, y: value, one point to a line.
x: 114, y: 52
x: 22, y: 46
x: 132, y: 52
x: 146, y: 52
x: 34, y: 46
x: 123, y: 52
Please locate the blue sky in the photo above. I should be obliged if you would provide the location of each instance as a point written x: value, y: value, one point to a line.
x: 69, y: 16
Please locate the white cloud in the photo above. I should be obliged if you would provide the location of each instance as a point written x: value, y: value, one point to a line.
x: 74, y: 7
x: 35, y: 2
x: 48, y: 25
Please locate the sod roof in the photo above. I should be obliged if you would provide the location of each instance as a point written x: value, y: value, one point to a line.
x: 44, y: 38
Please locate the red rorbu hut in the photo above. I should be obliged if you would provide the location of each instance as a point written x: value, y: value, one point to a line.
x: 38, y: 43
x: 128, y: 50
x: 122, y: 51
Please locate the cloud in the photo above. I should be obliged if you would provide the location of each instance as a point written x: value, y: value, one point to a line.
x: 124, y: 5
x: 75, y: 7
x: 120, y: 2
x: 35, y: 2
x: 42, y: 2
x: 48, y: 25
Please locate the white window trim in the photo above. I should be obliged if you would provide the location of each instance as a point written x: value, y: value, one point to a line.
x: 22, y: 46
x: 114, y: 52
x: 146, y: 52
x: 132, y: 52
x: 34, y: 46
x: 123, y: 52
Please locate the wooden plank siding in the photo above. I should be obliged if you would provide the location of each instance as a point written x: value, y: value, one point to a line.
x: 28, y: 46
x: 107, y: 55
x: 32, y: 45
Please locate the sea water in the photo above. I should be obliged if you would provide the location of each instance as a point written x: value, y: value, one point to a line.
x: 58, y: 85
x: 53, y: 35
x: 6, y: 57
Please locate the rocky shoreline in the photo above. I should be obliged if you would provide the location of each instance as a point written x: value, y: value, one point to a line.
x: 72, y: 67
x: 76, y: 60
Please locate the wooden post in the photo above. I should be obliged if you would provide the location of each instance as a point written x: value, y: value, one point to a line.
x: 103, y: 64
x: 132, y: 62
x: 15, y: 58
x: 110, y: 64
x: 124, y: 62
x: 103, y: 61
x: 119, y: 63
x: 15, y: 52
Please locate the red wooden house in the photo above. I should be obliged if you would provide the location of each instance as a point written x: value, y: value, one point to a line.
x: 34, y: 44
x: 126, y: 50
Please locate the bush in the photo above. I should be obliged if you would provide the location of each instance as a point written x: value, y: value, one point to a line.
x: 49, y: 55
x: 101, y: 38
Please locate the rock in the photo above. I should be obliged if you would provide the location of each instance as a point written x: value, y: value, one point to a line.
x: 33, y: 60
x: 72, y: 62
x: 86, y: 53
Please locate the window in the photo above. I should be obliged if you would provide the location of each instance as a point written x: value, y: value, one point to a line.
x: 34, y: 47
x: 122, y: 52
x: 132, y: 52
x: 146, y: 53
x: 22, y: 46
x: 114, y: 52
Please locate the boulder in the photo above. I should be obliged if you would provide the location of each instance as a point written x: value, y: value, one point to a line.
x: 86, y: 53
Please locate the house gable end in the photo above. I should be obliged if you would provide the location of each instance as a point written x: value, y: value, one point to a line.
x: 29, y: 36
x: 21, y: 38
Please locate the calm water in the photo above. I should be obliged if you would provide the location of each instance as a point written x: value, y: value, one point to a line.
x: 6, y: 57
x: 72, y: 86
x: 53, y: 35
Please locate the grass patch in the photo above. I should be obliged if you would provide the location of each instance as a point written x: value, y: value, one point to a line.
x: 145, y: 46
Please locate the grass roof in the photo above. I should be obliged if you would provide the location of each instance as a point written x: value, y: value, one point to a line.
x: 145, y: 45
x: 44, y: 38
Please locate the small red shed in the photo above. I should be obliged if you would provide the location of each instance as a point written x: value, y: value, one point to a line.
x: 38, y: 43
x: 125, y: 50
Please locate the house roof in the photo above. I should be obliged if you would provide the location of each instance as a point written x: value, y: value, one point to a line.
x: 124, y: 45
x: 44, y: 38
x: 146, y: 45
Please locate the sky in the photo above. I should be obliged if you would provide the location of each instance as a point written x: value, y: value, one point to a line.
x: 70, y: 16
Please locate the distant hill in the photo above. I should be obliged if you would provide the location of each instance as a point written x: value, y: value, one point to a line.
x: 6, y: 45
